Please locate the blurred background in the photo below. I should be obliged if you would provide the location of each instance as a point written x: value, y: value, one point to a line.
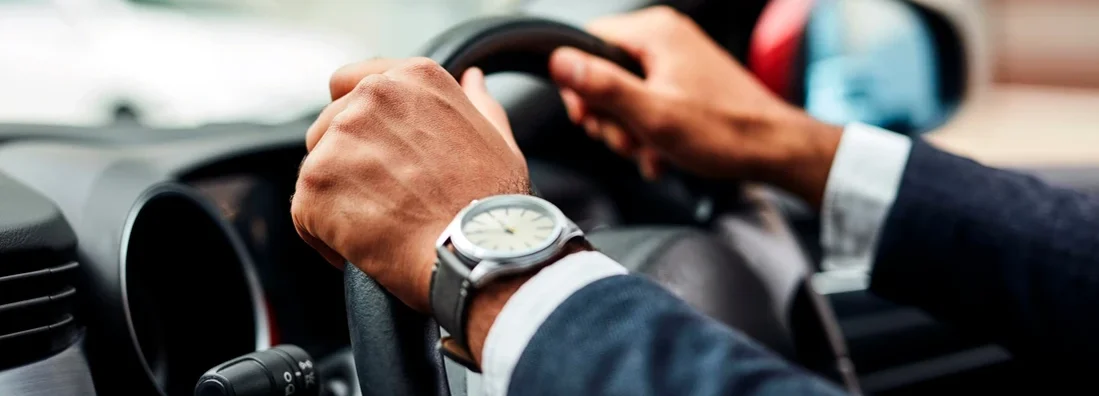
x: 184, y: 63
x: 1013, y: 82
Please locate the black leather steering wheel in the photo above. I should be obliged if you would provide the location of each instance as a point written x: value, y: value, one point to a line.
x: 394, y: 347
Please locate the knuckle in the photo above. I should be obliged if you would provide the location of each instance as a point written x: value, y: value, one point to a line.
x: 656, y: 123
x: 376, y: 94
x: 669, y: 22
x: 666, y: 15
x: 316, y: 175
x: 609, y: 89
x: 338, y: 81
x: 424, y: 68
x: 350, y: 121
x: 298, y: 213
x: 376, y: 86
x: 341, y: 123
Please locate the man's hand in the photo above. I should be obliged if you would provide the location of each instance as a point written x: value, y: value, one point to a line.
x: 392, y: 160
x: 697, y: 108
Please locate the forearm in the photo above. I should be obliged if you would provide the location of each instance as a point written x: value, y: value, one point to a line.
x: 583, y: 320
x: 490, y: 301
x: 996, y: 252
x: 804, y: 152
x: 625, y: 335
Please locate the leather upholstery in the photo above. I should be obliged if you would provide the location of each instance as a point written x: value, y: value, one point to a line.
x: 394, y: 346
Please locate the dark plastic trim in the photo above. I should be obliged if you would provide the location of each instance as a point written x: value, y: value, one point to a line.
x: 259, y: 311
x: 68, y: 292
x: 42, y: 272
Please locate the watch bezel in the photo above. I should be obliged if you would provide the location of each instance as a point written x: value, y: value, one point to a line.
x: 489, y: 264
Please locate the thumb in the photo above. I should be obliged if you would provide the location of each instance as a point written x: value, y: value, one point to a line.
x: 601, y: 85
x: 473, y: 83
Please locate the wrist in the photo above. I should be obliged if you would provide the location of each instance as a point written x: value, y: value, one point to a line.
x: 804, y: 160
x: 485, y: 307
x: 489, y: 301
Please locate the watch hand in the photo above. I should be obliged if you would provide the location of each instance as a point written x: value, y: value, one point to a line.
x: 485, y: 231
x: 509, y: 230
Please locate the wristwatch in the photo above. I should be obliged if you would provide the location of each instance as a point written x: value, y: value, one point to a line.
x: 492, y: 238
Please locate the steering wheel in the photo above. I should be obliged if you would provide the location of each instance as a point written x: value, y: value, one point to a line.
x: 394, y: 347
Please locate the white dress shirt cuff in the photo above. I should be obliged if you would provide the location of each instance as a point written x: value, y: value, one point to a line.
x: 862, y: 186
x: 525, y: 311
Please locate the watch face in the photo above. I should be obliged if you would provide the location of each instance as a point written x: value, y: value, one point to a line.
x: 510, y: 227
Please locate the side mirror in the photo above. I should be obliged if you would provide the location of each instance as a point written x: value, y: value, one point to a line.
x: 890, y: 63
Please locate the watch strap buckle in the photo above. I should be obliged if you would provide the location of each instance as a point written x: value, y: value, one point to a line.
x: 457, y: 352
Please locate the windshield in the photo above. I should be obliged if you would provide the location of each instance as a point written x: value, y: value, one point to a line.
x: 187, y: 63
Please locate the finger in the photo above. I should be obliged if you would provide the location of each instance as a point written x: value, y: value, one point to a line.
x: 346, y: 78
x: 322, y: 248
x: 591, y: 126
x: 574, y: 106
x: 473, y: 83
x: 639, y: 33
x: 649, y: 163
x: 323, y: 121
x: 617, y: 139
x: 307, y: 202
x: 600, y: 84
x: 623, y: 31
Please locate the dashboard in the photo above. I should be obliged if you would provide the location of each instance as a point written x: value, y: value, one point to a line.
x: 167, y: 256
x: 185, y: 253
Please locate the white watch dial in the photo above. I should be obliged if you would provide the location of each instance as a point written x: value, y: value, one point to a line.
x: 510, y: 229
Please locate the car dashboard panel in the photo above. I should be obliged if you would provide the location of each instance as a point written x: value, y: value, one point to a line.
x: 197, y: 223
x: 40, y: 331
x: 124, y: 277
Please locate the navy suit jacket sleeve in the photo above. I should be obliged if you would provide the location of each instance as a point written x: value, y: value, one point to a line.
x: 625, y: 335
x: 995, y: 252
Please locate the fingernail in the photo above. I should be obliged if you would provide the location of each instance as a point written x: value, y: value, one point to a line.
x: 643, y: 168
x: 591, y: 124
x: 592, y: 134
x: 579, y: 69
x: 570, y: 66
x: 649, y: 161
x: 614, y: 139
x: 648, y: 170
x: 588, y: 124
x: 474, y: 75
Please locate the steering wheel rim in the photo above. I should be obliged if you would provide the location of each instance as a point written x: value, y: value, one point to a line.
x: 382, y: 328
x: 513, y: 43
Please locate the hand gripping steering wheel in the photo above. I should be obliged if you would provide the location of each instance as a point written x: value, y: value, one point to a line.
x: 394, y: 347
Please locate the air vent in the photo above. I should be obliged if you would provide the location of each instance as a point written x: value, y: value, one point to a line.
x: 37, y: 268
x: 37, y: 301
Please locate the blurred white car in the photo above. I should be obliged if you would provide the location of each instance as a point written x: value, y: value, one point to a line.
x: 95, y: 62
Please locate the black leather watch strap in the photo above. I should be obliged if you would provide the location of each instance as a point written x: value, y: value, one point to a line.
x: 450, y: 297
x: 448, y: 281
